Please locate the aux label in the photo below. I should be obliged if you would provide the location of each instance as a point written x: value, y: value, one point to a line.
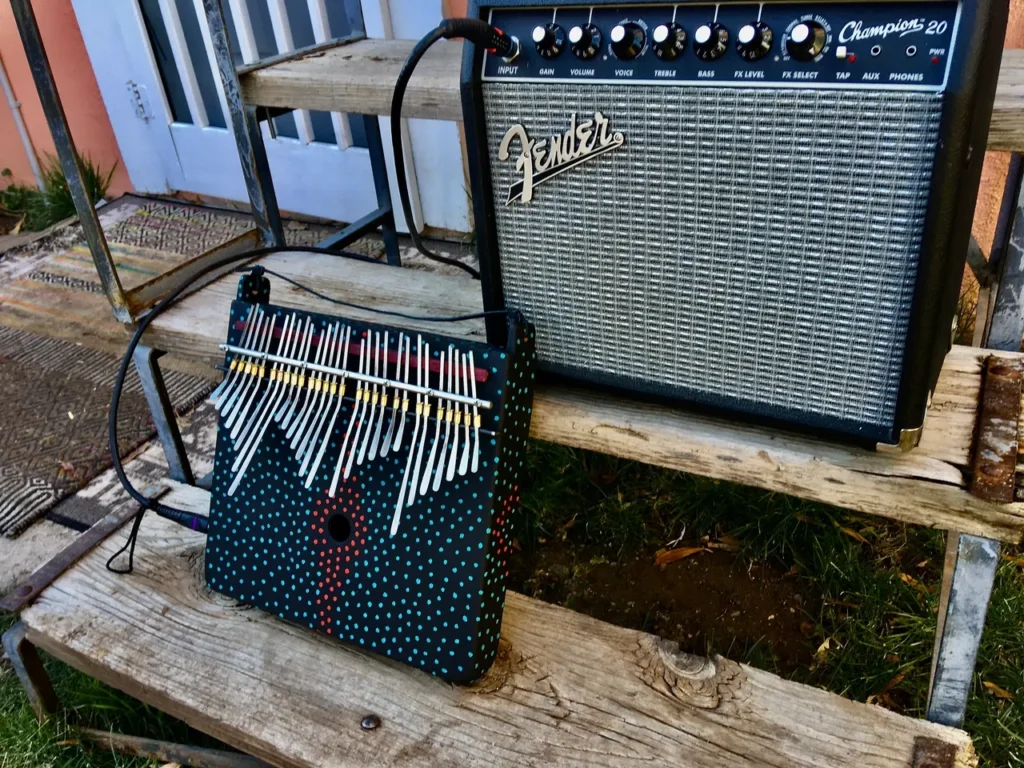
x: 541, y: 161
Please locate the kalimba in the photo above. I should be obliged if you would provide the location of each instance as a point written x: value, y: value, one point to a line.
x: 365, y: 480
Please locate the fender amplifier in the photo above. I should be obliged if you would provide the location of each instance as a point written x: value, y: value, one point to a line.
x: 757, y: 208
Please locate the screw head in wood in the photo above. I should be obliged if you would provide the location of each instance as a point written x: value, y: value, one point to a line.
x: 370, y: 723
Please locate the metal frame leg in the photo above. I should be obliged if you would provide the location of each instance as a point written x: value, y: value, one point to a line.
x: 248, y: 137
x: 69, y: 159
x: 30, y: 671
x: 146, y: 363
x: 385, y: 205
x: 970, y: 571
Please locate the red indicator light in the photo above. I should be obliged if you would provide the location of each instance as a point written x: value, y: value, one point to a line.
x: 851, y: 58
x: 935, y: 59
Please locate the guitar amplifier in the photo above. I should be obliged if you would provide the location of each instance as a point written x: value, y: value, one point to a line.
x: 762, y: 209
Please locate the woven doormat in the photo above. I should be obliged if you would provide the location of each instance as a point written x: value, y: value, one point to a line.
x: 54, y: 403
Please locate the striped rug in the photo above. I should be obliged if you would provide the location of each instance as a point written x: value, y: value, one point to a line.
x: 54, y: 401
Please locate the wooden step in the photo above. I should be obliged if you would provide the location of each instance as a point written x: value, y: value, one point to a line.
x: 567, y: 690
x: 926, y: 487
x: 360, y: 78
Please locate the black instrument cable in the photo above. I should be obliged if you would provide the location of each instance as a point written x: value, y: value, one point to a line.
x: 474, y: 30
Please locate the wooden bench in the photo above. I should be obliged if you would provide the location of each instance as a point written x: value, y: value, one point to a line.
x: 566, y: 690
x: 360, y: 77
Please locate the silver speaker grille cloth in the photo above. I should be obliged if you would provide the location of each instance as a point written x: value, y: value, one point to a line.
x: 746, y: 243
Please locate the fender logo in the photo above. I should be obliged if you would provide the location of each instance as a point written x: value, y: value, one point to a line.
x: 541, y: 161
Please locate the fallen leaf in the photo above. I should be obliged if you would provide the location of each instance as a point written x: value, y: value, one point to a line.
x: 823, y: 649
x: 1018, y: 561
x: 851, y: 533
x: 998, y: 692
x: 726, y: 543
x: 910, y: 581
x: 897, y: 679
x: 805, y: 519
x: 666, y: 556
x: 922, y: 564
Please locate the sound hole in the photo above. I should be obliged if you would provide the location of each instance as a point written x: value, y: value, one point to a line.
x: 339, y: 529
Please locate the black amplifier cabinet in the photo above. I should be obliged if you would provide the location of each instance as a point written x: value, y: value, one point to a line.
x: 761, y: 208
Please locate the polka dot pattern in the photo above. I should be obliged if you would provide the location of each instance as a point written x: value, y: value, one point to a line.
x: 431, y: 596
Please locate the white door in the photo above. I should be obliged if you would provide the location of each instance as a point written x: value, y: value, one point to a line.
x: 156, y: 71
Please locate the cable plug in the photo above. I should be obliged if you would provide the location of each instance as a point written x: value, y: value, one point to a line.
x: 482, y: 33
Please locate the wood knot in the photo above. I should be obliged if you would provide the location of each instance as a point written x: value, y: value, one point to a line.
x: 691, y: 680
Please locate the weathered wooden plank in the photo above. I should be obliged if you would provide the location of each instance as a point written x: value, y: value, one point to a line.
x: 1007, y: 130
x: 925, y: 487
x: 360, y: 77
x: 567, y: 690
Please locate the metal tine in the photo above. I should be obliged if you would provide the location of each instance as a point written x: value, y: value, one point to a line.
x: 450, y: 474
x: 245, y: 403
x: 236, y: 361
x: 337, y: 411
x: 249, y: 437
x: 425, y: 417
x: 448, y: 423
x: 351, y: 420
x: 375, y: 444
x: 405, y: 397
x: 274, y: 383
x: 437, y: 441
x: 298, y: 427
x: 230, y: 397
x: 375, y: 394
x: 395, y: 402
x: 474, y: 466
x: 330, y: 392
x: 291, y: 370
x: 361, y: 416
x: 319, y: 409
x: 466, y: 374
x: 248, y: 339
x: 396, y: 519
x: 285, y: 414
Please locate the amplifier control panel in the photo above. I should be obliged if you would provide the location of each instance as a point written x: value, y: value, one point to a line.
x: 904, y: 45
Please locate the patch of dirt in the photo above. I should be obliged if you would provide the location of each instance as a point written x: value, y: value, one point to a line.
x: 711, y: 602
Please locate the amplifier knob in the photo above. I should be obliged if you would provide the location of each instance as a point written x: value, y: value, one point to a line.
x: 628, y: 40
x: 806, y: 40
x: 710, y: 41
x: 549, y: 39
x: 669, y: 41
x: 753, y: 41
x: 585, y: 41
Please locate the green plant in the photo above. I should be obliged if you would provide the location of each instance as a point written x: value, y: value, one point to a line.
x: 53, y: 203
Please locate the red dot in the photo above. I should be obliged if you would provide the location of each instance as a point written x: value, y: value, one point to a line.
x: 935, y: 59
x: 851, y: 58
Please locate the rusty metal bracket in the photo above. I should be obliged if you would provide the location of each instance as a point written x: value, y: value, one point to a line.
x: 26, y: 592
x: 30, y: 671
x: 932, y: 753
x: 994, y: 463
x: 166, y: 752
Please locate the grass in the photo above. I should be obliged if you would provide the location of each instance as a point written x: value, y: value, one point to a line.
x: 879, y: 581
x: 24, y: 743
x: 53, y: 203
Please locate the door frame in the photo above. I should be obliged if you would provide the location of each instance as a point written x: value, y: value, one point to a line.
x: 156, y: 151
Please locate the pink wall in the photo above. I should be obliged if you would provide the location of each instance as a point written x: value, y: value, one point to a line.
x: 90, y: 127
